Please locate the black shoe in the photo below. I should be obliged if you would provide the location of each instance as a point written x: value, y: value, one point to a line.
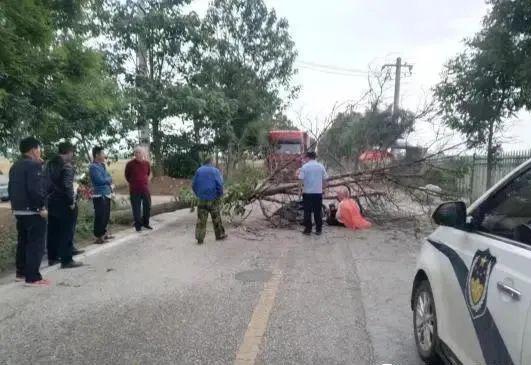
x: 221, y: 238
x: 75, y: 252
x: 53, y: 262
x: 147, y: 226
x: 318, y: 233
x: 71, y: 265
x: 138, y: 229
x: 199, y: 242
x: 307, y: 232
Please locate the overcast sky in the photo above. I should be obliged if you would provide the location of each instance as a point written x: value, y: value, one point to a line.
x: 354, y: 34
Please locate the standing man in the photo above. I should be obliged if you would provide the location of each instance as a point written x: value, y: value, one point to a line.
x: 137, y: 173
x: 208, y: 188
x: 313, y: 175
x: 62, y: 207
x: 27, y: 195
x: 101, y: 182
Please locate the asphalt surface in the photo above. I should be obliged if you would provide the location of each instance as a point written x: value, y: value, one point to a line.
x: 157, y: 298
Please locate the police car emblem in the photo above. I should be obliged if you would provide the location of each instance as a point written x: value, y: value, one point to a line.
x: 477, y: 283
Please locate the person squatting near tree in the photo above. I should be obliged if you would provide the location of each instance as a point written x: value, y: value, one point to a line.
x: 313, y: 175
x: 208, y: 188
x: 137, y: 173
x: 62, y: 208
x: 27, y: 195
x: 347, y: 214
x: 101, y: 182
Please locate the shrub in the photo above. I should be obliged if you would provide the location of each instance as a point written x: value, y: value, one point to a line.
x: 180, y: 165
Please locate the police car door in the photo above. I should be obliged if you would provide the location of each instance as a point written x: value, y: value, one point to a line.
x: 497, y: 289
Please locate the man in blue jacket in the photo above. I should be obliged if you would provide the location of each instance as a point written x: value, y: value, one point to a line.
x: 101, y: 182
x: 208, y: 188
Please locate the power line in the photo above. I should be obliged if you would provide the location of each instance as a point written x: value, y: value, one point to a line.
x: 332, y: 67
x: 332, y: 72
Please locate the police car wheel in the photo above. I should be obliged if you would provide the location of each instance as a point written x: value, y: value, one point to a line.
x: 425, y: 324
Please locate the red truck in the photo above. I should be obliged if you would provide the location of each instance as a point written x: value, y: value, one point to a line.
x: 286, y: 150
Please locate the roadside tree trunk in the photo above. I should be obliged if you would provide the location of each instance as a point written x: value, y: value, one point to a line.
x: 156, y: 147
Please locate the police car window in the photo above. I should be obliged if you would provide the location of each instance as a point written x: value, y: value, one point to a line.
x: 507, y: 213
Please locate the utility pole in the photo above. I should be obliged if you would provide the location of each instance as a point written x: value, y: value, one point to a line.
x: 398, y: 68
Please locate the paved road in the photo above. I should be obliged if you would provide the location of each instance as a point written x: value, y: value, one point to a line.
x: 262, y: 297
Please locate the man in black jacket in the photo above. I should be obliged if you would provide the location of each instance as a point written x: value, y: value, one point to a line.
x: 26, y: 192
x: 62, y: 207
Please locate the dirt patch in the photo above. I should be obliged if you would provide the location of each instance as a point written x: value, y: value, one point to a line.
x: 162, y: 185
x: 165, y: 185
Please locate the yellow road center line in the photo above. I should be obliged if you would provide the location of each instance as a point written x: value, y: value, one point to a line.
x: 250, y: 347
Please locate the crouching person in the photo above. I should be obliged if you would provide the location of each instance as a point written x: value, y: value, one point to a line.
x: 347, y: 214
x: 208, y: 188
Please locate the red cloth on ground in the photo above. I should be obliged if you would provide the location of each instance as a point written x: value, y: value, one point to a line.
x: 137, y: 175
x: 349, y: 214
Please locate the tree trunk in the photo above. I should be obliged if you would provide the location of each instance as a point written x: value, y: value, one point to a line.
x: 490, y: 155
x: 156, y: 147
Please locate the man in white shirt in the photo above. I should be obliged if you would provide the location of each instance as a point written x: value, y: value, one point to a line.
x: 313, y: 175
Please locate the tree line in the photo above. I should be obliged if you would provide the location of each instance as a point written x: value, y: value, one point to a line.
x: 99, y: 71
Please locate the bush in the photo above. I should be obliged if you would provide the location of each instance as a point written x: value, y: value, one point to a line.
x: 180, y: 165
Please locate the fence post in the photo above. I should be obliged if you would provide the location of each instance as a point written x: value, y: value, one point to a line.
x: 472, y: 172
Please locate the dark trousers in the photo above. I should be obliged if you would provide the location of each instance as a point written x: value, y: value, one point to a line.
x: 313, y: 204
x: 141, y: 205
x: 102, y: 214
x: 30, y: 246
x: 61, y: 230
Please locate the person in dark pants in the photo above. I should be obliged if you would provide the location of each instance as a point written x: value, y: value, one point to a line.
x: 101, y: 182
x: 208, y: 188
x: 313, y: 174
x: 27, y: 194
x: 137, y: 173
x: 61, y: 207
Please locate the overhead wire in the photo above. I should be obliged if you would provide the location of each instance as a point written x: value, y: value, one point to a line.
x: 334, y: 70
x: 332, y: 67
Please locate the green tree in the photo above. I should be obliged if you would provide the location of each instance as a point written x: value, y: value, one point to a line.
x: 149, y: 40
x: 478, y: 94
x: 246, y: 53
x: 83, y: 99
x: 351, y: 133
x: 26, y: 32
x: 509, y: 22
x: 51, y: 84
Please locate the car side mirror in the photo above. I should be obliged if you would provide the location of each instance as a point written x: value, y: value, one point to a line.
x: 452, y: 214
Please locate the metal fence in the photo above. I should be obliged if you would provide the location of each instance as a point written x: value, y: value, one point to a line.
x: 472, y: 182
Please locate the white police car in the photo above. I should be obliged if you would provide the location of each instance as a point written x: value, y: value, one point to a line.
x: 471, y: 296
